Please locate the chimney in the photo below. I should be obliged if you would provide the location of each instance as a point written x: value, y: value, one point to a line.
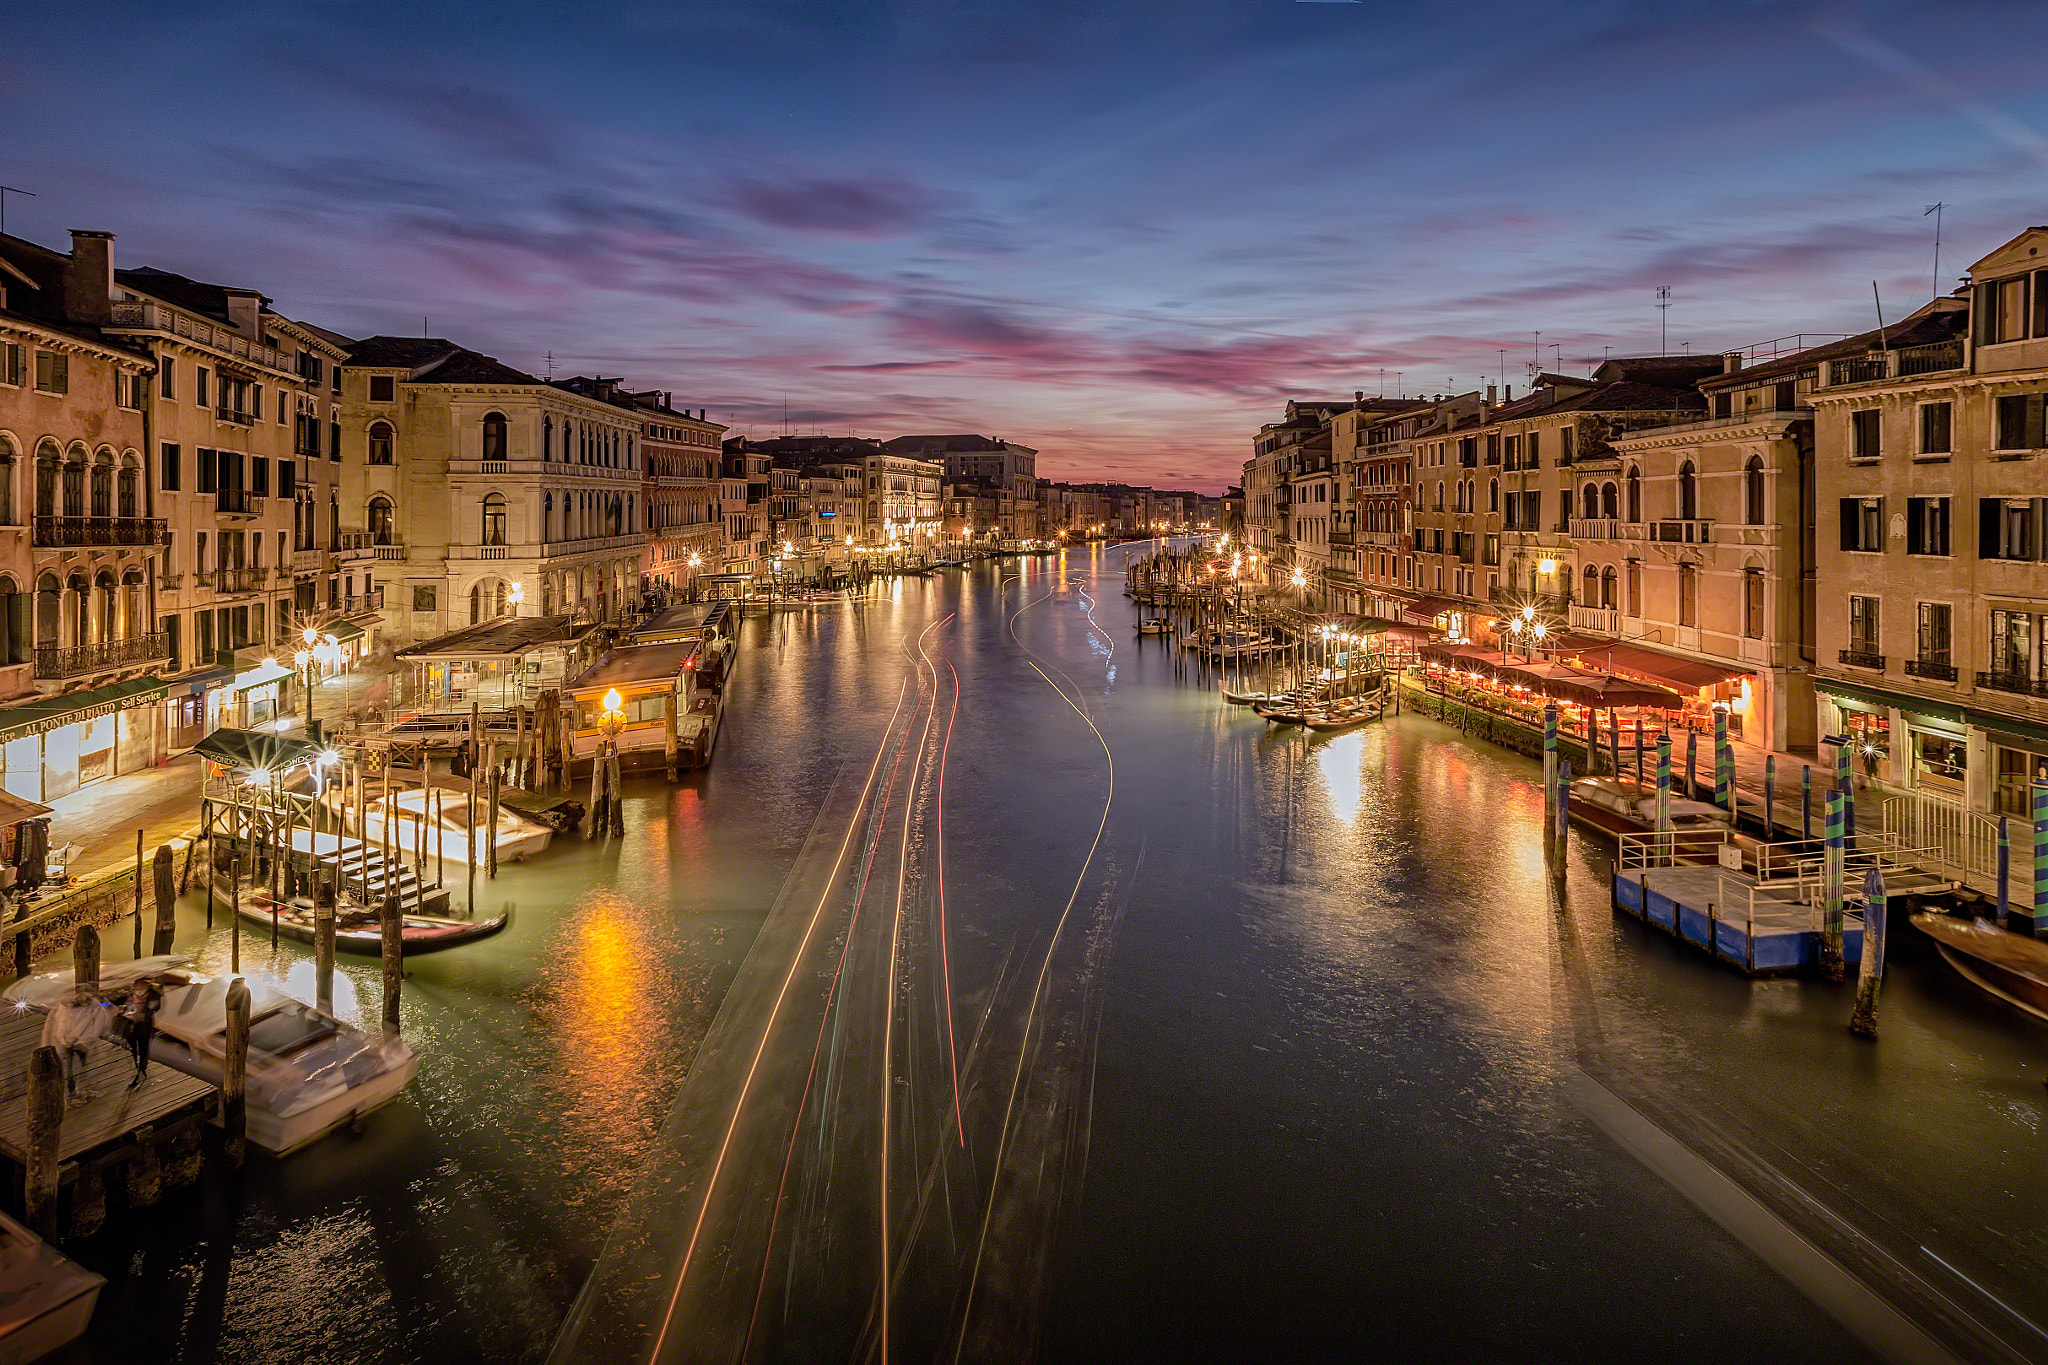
x: 1358, y: 395
x: 245, y: 308
x: 1490, y: 395
x: 89, y: 278
x: 1731, y: 361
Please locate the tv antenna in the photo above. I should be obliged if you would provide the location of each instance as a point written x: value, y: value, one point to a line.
x: 6, y: 190
x: 1934, y: 208
x: 1663, y: 319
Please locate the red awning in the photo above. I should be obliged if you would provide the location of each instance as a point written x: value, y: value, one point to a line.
x: 1562, y: 682
x: 1687, y: 675
x: 1429, y: 608
x: 1470, y: 657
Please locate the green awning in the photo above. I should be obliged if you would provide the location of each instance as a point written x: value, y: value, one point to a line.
x: 1952, y: 712
x: 346, y: 631
x: 260, y: 677
x: 50, y: 713
x: 248, y: 749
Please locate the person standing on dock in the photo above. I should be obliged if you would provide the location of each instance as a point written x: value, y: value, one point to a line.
x: 71, y: 1024
x: 140, y: 1012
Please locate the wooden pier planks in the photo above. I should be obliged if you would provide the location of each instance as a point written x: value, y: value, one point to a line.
x: 112, y: 1114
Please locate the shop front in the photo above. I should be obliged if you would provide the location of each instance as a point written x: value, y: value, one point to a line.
x: 57, y: 745
x: 252, y: 699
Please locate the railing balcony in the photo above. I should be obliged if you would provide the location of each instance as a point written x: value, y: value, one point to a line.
x: 1862, y: 658
x: 1910, y: 360
x: 150, y: 317
x: 390, y: 550
x: 1936, y: 669
x: 236, y: 580
x: 1682, y: 532
x: 1942, y: 355
x: 1604, y: 620
x: 59, y: 661
x: 2019, y: 684
x: 356, y: 605
x: 1595, y: 528
x: 67, y: 532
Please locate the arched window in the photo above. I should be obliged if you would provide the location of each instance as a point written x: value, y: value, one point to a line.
x: 74, y: 483
x: 1635, y: 494
x: 49, y: 612
x: 10, y: 469
x: 333, y: 520
x: 383, y: 524
x: 1688, y: 492
x: 1591, y: 502
x: 1753, y: 491
x: 547, y: 438
x: 547, y: 518
x: 1610, y: 500
x: 381, y: 451
x: 494, y: 436
x: 48, y: 462
x: 1591, y: 595
x: 547, y: 595
x: 103, y: 484
x: 17, y: 629
x: 128, y: 489
x: 1439, y: 495
x: 1493, y: 495
x: 1609, y: 593
x: 494, y: 519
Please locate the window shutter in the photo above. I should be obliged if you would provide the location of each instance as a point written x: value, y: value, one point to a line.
x: 2037, y: 521
x: 1851, y: 510
x: 1984, y: 300
x: 2035, y: 436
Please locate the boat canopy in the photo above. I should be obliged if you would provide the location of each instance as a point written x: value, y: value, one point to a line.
x: 248, y: 750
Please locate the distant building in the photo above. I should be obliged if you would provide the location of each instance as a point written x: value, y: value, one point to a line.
x: 1008, y: 469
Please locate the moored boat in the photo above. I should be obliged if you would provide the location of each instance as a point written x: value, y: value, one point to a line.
x: 1616, y: 807
x: 308, y: 1074
x: 1343, y: 720
x: 48, y: 1299
x: 359, y: 930
x: 1997, y: 962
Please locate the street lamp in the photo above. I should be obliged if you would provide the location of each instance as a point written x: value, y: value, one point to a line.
x: 516, y: 596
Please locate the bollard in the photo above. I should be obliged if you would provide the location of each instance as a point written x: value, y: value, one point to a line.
x: 234, y: 1075
x: 235, y: 916
x: 323, y: 954
x: 1831, y: 891
x: 618, y: 806
x: 394, y: 964
x: 45, y: 1131
x: 145, y: 1170
x: 85, y: 956
x: 670, y: 750
x: 166, y: 900
x: 598, y: 822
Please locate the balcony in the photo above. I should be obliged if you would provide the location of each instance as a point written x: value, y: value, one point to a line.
x: 1594, y: 528
x: 150, y: 317
x: 63, y: 533
x: 1910, y: 360
x: 2018, y: 684
x: 359, y: 604
x: 389, y: 549
x: 1388, y: 539
x: 58, y: 661
x: 1343, y: 538
x: 1936, y: 670
x: 1548, y: 603
x: 226, y: 581
x: 1600, y: 620
x: 1681, y: 532
x: 1862, y: 658
x: 237, y: 502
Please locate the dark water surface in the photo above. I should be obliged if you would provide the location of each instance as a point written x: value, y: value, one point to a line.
x: 1295, y: 1089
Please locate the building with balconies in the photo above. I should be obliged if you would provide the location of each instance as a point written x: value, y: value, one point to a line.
x: 1929, y: 438
x: 680, y: 453
x: 485, y: 491
x: 992, y: 463
x: 79, y: 547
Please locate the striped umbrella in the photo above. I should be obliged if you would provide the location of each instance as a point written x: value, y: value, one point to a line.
x: 1806, y: 800
x: 2004, y: 863
x: 1831, y: 883
x: 1692, y: 760
x: 1770, y: 795
x: 1870, y: 973
x: 2040, y: 855
x: 1663, y: 783
x: 1724, y: 764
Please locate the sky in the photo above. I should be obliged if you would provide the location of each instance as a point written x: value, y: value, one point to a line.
x: 1122, y: 233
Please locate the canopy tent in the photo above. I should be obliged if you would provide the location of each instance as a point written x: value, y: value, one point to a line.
x: 1429, y: 608
x: 1562, y: 682
x: 1470, y: 657
x: 250, y: 750
x: 1672, y: 670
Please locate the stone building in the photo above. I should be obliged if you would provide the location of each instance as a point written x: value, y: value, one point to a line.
x: 679, y: 487
x: 1008, y: 469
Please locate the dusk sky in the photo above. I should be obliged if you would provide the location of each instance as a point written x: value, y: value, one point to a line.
x: 1122, y: 233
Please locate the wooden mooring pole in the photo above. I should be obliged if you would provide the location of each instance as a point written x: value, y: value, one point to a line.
x: 45, y: 1125
x: 21, y: 942
x: 138, y: 893
x: 85, y: 957
x: 166, y: 900
x: 234, y: 1075
x: 491, y: 819
x: 394, y: 964
x: 323, y: 954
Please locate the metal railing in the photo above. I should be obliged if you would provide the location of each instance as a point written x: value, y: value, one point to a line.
x: 1861, y: 658
x: 1680, y: 531
x: 64, y: 532
x: 2018, y: 684
x: 1931, y: 668
x: 1967, y: 840
x: 235, y: 580
x: 62, y: 661
x: 236, y: 502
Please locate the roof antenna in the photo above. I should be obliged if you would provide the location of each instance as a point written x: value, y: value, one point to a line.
x: 1663, y: 319
x: 551, y: 364
x: 423, y: 327
x: 1880, y: 314
x: 6, y: 190
x: 1934, y: 208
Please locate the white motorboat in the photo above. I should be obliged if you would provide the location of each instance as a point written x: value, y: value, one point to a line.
x: 45, y: 1300
x: 309, y: 1073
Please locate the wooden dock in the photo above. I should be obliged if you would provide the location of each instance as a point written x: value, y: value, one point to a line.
x: 1731, y: 915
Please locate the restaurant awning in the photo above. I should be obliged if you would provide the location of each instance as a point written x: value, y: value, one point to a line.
x: 1429, y: 608
x: 1470, y: 657
x: 50, y: 713
x: 259, y: 676
x: 250, y: 749
x: 1581, y: 687
x: 1687, y: 675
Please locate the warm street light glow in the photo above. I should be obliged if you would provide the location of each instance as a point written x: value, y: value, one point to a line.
x: 1546, y: 566
x: 1528, y: 613
x: 270, y: 663
x: 612, y: 700
x: 695, y: 560
x: 299, y: 659
x: 329, y: 757
x: 258, y: 777
x: 309, y: 635
x: 1299, y: 578
x: 517, y: 595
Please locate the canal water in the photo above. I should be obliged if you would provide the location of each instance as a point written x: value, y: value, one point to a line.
x: 1318, y: 1010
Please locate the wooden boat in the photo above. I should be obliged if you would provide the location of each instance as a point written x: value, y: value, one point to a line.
x: 309, y: 1072
x: 45, y: 1300
x: 1343, y: 720
x: 1242, y: 698
x: 358, y: 930
x: 1157, y: 626
x: 1997, y: 962
x: 1618, y: 807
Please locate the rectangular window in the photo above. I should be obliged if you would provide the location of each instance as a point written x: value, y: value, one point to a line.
x: 1753, y: 604
x: 1935, y: 424
x: 2005, y: 528
x: 1863, y: 625
x: 380, y: 392
x: 259, y: 475
x: 2012, y: 643
x: 199, y: 385
x: 53, y: 372
x: 205, y: 481
x: 167, y: 377
x: 168, y: 480
x: 1635, y: 587
x: 255, y: 399
x: 1688, y: 595
x: 1535, y: 450
x: 1927, y: 526
x: 1931, y: 634
x: 334, y: 442
x: 1863, y: 524
x: 1864, y: 434
x: 2008, y: 312
x: 2020, y: 425
x: 204, y: 620
x: 281, y: 418
x: 13, y: 364
x: 287, y: 478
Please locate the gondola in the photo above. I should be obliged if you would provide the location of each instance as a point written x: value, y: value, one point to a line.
x: 1242, y: 698
x: 357, y: 930
x: 1344, y: 720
